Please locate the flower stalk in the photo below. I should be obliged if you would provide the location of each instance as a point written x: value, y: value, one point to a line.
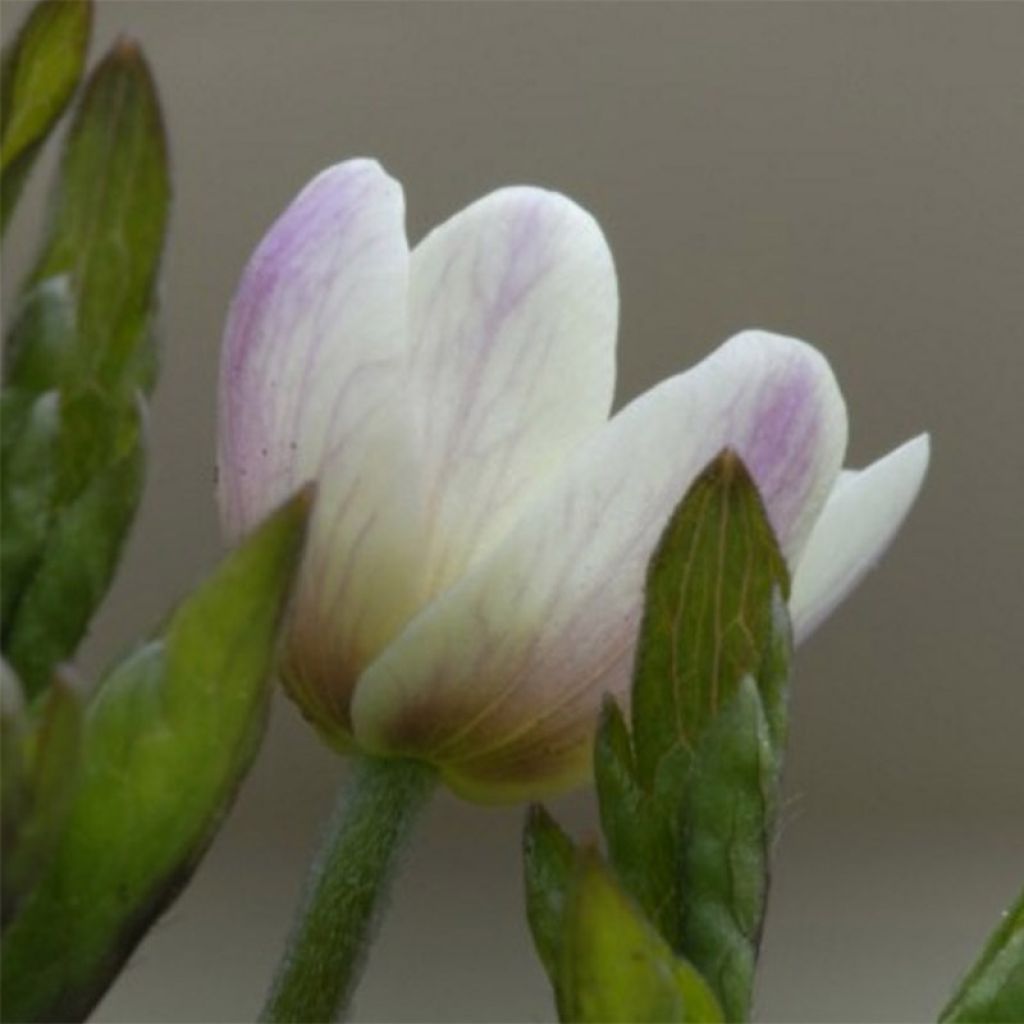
x: 346, y: 890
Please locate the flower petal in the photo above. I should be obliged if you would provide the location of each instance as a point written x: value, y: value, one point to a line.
x: 314, y: 337
x: 861, y: 517
x: 310, y: 378
x: 513, y: 316
x: 499, y: 680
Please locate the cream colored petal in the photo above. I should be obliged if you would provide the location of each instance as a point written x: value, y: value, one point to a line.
x: 313, y: 358
x: 513, y: 314
x: 859, y: 521
x: 499, y: 680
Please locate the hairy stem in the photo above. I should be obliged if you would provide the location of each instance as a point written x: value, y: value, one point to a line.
x: 346, y: 890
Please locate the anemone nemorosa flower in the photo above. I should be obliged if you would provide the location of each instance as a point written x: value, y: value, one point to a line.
x: 473, y: 578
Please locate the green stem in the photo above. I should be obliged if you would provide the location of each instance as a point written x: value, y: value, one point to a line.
x: 346, y: 890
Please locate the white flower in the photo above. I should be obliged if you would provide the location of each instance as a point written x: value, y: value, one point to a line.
x: 473, y: 580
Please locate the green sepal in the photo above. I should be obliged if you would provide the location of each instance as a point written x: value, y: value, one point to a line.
x: 193, y: 699
x: 548, y: 859
x: 40, y: 765
x: 993, y: 990
x: 708, y: 614
x: 614, y: 964
x: 39, y: 72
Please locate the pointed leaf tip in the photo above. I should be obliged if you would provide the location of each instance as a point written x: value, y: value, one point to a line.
x: 729, y: 464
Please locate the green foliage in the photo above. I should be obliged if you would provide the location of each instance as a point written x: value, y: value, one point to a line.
x: 39, y: 73
x: 688, y: 796
x: 164, y: 746
x: 614, y: 964
x: 728, y: 814
x: 107, y: 226
x: 641, y: 825
x: 993, y: 990
x: 80, y: 356
x: 73, y: 571
x: 40, y: 769
x: 31, y: 436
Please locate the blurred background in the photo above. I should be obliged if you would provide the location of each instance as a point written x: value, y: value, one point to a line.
x: 847, y: 173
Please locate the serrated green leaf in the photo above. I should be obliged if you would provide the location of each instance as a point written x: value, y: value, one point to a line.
x: 188, y: 707
x: 993, y: 991
x: 548, y: 857
x: 43, y: 761
x: 39, y: 71
x: 615, y: 965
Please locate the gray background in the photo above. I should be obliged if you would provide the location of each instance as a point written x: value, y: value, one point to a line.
x: 850, y: 174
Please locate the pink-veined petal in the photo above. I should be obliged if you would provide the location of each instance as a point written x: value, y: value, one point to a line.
x: 860, y: 519
x: 312, y: 364
x: 499, y: 680
x: 513, y: 315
